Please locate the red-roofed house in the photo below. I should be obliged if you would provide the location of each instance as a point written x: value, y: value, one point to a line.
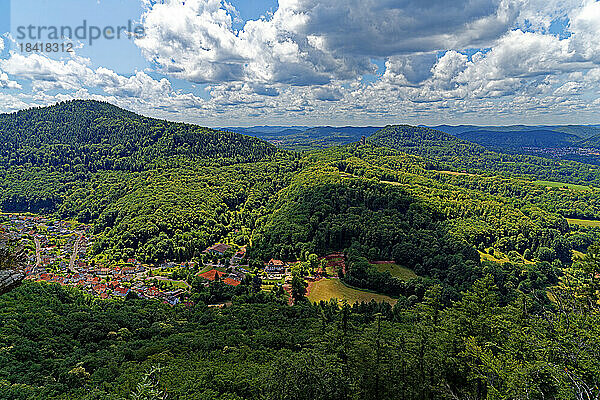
x: 101, y: 288
x: 212, y: 274
x: 232, y: 282
x: 121, y: 291
x: 152, y: 291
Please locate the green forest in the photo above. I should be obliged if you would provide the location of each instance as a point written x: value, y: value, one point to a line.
x: 505, y: 302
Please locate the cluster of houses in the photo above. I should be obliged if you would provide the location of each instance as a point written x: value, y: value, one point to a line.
x: 232, y: 279
x: 563, y: 151
x: 115, y: 282
x: 58, y: 253
x: 236, y: 273
x: 51, y: 243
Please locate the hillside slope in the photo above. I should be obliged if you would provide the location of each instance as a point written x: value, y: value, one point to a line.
x: 580, y: 131
x: 302, y: 139
x: 154, y: 189
x: 444, y: 151
x: 519, y: 139
x: 92, y: 136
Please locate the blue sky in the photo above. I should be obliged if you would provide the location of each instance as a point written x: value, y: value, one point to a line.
x: 312, y: 62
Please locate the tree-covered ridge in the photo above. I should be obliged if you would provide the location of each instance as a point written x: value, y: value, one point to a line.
x: 392, y: 208
x: 177, y: 213
x: 444, y: 151
x: 467, y: 208
x: 82, y: 136
x: 321, y: 211
x: 154, y: 189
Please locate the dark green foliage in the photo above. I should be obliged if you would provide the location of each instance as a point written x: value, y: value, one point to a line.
x: 89, y: 136
x: 444, y: 151
x: 330, y: 214
x: 58, y: 344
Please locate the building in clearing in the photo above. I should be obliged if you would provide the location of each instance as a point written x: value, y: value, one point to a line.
x: 218, y: 249
x: 275, y: 267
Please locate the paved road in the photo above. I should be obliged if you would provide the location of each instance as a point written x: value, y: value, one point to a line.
x: 75, y: 254
x: 38, y: 250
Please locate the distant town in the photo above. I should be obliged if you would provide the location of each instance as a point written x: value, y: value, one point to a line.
x: 558, y: 152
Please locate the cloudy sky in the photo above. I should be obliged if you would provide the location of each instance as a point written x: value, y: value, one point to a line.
x: 311, y: 62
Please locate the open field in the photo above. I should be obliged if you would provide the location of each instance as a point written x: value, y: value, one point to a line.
x: 561, y: 185
x: 334, y: 289
x: 583, y: 222
x: 396, y: 270
x: 456, y: 173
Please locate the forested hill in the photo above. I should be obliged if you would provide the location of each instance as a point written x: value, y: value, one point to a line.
x: 580, y: 131
x: 155, y: 189
x: 407, y: 135
x: 425, y: 142
x: 444, y: 151
x: 518, y: 140
x: 87, y: 135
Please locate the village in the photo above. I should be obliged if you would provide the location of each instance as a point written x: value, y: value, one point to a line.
x: 60, y: 252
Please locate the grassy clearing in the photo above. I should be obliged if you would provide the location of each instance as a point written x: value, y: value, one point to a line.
x: 396, y: 270
x: 394, y: 183
x: 178, y: 284
x: 456, y: 173
x: 489, y: 257
x: 562, y: 185
x: 501, y: 257
x: 583, y: 222
x: 578, y: 255
x: 334, y: 289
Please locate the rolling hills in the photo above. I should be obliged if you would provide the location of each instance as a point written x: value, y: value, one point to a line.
x: 305, y: 138
x: 444, y: 151
x: 158, y: 190
x: 564, y: 142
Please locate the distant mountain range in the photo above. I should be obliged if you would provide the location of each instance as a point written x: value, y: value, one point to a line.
x: 581, y: 131
x: 571, y: 142
x: 520, y: 139
x: 301, y: 138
